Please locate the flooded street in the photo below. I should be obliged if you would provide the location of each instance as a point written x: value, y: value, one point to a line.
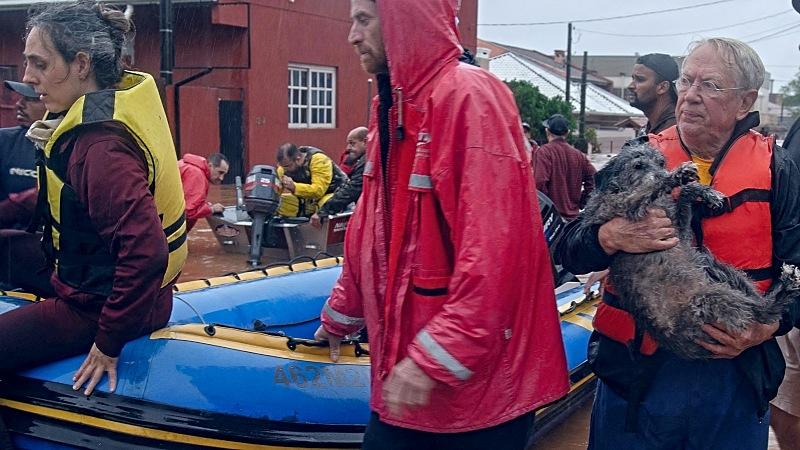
x: 207, y: 259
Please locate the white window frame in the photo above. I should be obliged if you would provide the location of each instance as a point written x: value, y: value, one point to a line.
x: 307, y: 95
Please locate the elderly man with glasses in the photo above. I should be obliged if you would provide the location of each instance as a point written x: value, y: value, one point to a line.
x: 655, y: 400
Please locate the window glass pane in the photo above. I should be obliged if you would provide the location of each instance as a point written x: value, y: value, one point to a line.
x: 304, y: 97
x: 314, y: 95
x: 303, y: 115
x: 329, y: 98
x: 315, y: 115
x: 329, y: 80
x: 304, y: 78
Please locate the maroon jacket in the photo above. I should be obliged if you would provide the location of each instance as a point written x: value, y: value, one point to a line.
x: 109, y: 175
x: 565, y: 175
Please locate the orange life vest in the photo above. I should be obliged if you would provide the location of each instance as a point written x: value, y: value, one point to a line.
x: 741, y: 235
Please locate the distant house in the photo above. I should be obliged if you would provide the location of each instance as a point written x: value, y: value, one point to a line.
x: 555, y: 63
x: 257, y: 73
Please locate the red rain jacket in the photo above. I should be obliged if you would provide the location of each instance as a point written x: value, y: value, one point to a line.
x: 450, y: 267
x: 194, y: 176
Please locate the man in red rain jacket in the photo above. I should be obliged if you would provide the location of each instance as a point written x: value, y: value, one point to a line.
x: 454, y: 287
x: 196, y: 173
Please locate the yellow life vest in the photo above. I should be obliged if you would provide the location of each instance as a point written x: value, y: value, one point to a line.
x: 134, y: 103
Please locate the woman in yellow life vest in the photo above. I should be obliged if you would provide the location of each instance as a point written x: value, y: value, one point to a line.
x: 110, y: 197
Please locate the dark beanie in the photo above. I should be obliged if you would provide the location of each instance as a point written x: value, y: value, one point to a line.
x: 664, y: 65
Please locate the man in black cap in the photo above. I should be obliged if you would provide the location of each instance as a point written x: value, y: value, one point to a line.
x: 653, y: 90
x: 22, y: 263
x: 562, y: 172
x: 17, y: 160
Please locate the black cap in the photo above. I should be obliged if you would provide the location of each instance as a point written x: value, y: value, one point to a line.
x: 664, y: 65
x: 25, y: 90
x: 557, y: 124
x: 526, y: 126
x: 796, y: 4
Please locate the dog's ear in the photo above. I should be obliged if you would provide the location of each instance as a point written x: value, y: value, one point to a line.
x: 604, y: 179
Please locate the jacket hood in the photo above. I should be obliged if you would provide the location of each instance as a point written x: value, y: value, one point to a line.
x: 197, y: 161
x: 420, y: 38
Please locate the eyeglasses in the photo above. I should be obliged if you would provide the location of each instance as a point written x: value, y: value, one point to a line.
x: 704, y: 88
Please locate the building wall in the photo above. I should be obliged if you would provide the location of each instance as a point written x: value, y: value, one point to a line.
x: 11, y: 47
x: 250, y: 46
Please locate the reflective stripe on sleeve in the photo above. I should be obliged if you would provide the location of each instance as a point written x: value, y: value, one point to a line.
x: 341, y: 318
x: 442, y: 356
x: 420, y: 181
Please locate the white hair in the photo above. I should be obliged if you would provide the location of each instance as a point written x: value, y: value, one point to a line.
x: 745, y: 62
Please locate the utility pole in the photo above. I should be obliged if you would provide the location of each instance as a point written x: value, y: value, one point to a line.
x: 582, y: 117
x: 569, y: 59
x: 167, y: 40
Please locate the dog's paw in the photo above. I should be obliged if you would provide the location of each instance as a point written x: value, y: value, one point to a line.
x: 790, y: 275
x: 714, y: 199
x: 687, y: 173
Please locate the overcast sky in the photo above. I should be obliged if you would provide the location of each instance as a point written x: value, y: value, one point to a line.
x: 779, y: 52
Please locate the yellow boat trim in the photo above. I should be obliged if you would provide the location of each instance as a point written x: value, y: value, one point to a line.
x: 21, y: 295
x: 580, y: 321
x: 565, y: 308
x: 264, y: 344
x: 195, y: 285
x: 257, y: 343
x: 136, y: 430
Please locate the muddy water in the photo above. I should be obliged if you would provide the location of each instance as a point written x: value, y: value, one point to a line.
x: 207, y: 259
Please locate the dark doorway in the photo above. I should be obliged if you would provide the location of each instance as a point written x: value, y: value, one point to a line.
x: 231, y: 140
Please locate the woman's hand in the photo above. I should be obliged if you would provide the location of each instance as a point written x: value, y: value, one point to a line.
x: 94, y: 366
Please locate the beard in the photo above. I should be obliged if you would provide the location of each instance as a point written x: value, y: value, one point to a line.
x: 351, y: 158
x: 638, y: 103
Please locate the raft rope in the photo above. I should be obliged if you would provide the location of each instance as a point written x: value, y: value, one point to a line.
x: 208, y: 328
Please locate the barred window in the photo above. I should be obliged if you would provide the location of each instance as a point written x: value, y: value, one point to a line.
x: 312, y: 97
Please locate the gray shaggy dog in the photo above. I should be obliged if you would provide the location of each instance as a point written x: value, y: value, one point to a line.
x: 672, y: 293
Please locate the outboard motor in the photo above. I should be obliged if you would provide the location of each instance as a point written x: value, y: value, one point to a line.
x: 239, y: 194
x: 262, y: 196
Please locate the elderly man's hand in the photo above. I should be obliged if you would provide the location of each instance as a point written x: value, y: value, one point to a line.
x: 653, y: 233
x: 407, y: 387
x: 732, y: 344
x: 288, y: 184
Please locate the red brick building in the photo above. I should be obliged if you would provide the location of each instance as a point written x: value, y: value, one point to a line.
x: 268, y: 71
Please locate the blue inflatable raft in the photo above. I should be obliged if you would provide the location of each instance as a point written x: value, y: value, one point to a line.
x: 236, y: 368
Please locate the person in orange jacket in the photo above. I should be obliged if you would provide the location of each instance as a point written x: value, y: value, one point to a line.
x: 196, y: 173
x: 464, y: 345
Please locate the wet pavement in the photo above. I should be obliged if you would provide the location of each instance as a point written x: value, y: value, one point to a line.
x: 207, y: 259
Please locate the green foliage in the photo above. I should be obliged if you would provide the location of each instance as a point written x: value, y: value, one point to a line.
x: 791, y: 93
x: 535, y: 107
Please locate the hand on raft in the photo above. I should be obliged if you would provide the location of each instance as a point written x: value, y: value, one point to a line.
x: 92, y: 370
x: 334, y: 342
